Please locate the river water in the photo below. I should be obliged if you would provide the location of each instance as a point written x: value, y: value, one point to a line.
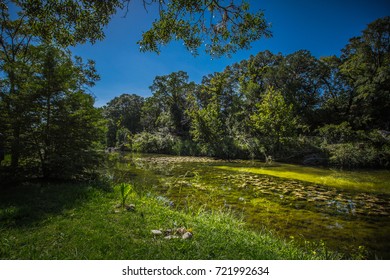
x: 348, y: 211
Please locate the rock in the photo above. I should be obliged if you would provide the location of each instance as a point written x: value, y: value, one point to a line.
x: 130, y: 207
x: 187, y: 235
x: 171, y: 237
x: 181, y: 230
x: 157, y: 232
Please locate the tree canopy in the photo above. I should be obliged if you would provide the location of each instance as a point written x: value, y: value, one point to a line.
x: 219, y: 27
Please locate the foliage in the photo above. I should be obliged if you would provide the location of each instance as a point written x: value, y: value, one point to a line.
x: 36, y: 92
x: 170, y: 98
x: 125, y: 190
x: 352, y: 155
x: 365, y: 66
x: 56, y: 122
x: 333, y: 134
x: 222, y: 28
x: 146, y: 142
x: 292, y: 108
x: 124, y: 118
x: 274, y: 119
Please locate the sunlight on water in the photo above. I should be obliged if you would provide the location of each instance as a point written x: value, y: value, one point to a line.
x: 372, y: 181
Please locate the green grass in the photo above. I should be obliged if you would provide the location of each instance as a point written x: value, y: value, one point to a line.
x: 371, y: 181
x: 81, y: 221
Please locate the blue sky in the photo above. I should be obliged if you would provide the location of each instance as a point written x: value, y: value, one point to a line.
x: 320, y: 26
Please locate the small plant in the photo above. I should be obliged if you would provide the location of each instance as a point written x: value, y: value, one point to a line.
x: 125, y: 190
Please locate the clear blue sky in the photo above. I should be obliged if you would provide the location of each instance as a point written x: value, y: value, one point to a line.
x: 321, y: 26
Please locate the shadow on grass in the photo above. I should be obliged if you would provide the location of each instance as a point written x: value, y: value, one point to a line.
x: 26, y: 204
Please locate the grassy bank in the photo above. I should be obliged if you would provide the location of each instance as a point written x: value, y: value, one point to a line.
x: 83, y: 221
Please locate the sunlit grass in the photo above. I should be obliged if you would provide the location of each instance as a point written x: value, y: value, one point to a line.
x: 82, y: 222
x: 372, y: 181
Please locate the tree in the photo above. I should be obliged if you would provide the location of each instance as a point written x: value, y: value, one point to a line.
x: 221, y: 27
x: 366, y: 67
x: 170, y: 96
x: 123, y: 112
x: 274, y: 119
x: 337, y: 96
x: 217, y: 113
x: 57, y: 126
x: 298, y: 77
x: 63, y: 124
x: 256, y: 75
x: 33, y: 23
x: 207, y: 128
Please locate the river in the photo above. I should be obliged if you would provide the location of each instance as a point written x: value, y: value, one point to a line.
x: 349, y: 211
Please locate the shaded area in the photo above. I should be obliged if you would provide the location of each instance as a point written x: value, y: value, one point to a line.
x: 27, y: 204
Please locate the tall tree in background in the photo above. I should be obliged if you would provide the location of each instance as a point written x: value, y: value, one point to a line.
x: 366, y: 66
x: 124, y: 116
x: 274, y: 120
x: 170, y: 96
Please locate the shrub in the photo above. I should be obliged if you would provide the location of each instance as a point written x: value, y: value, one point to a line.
x: 146, y: 142
x: 333, y: 134
x: 352, y: 155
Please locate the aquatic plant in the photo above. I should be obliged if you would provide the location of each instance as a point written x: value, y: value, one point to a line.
x: 125, y: 190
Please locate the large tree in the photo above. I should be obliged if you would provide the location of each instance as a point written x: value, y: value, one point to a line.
x: 274, y: 120
x: 366, y: 67
x: 170, y: 97
x: 124, y: 116
x: 61, y: 127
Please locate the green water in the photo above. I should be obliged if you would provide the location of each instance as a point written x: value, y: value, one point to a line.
x: 349, y: 211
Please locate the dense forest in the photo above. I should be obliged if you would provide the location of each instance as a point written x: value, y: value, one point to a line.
x: 294, y: 108
x: 273, y: 107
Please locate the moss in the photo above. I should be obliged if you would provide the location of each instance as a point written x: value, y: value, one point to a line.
x: 372, y: 181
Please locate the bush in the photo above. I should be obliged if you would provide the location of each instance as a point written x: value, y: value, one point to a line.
x: 352, y: 155
x: 333, y: 134
x: 185, y: 147
x: 146, y: 142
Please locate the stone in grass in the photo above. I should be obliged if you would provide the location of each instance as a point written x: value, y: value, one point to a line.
x: 171, y: 237
x: 156, y: 232
x: 130, y: 207
x: 187, y: 235
x: 181, y: 230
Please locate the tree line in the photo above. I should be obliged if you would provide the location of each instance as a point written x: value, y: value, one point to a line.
x: 329, y: 110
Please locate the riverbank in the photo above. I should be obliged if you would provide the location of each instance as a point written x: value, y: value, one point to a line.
x: 84, y: 221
